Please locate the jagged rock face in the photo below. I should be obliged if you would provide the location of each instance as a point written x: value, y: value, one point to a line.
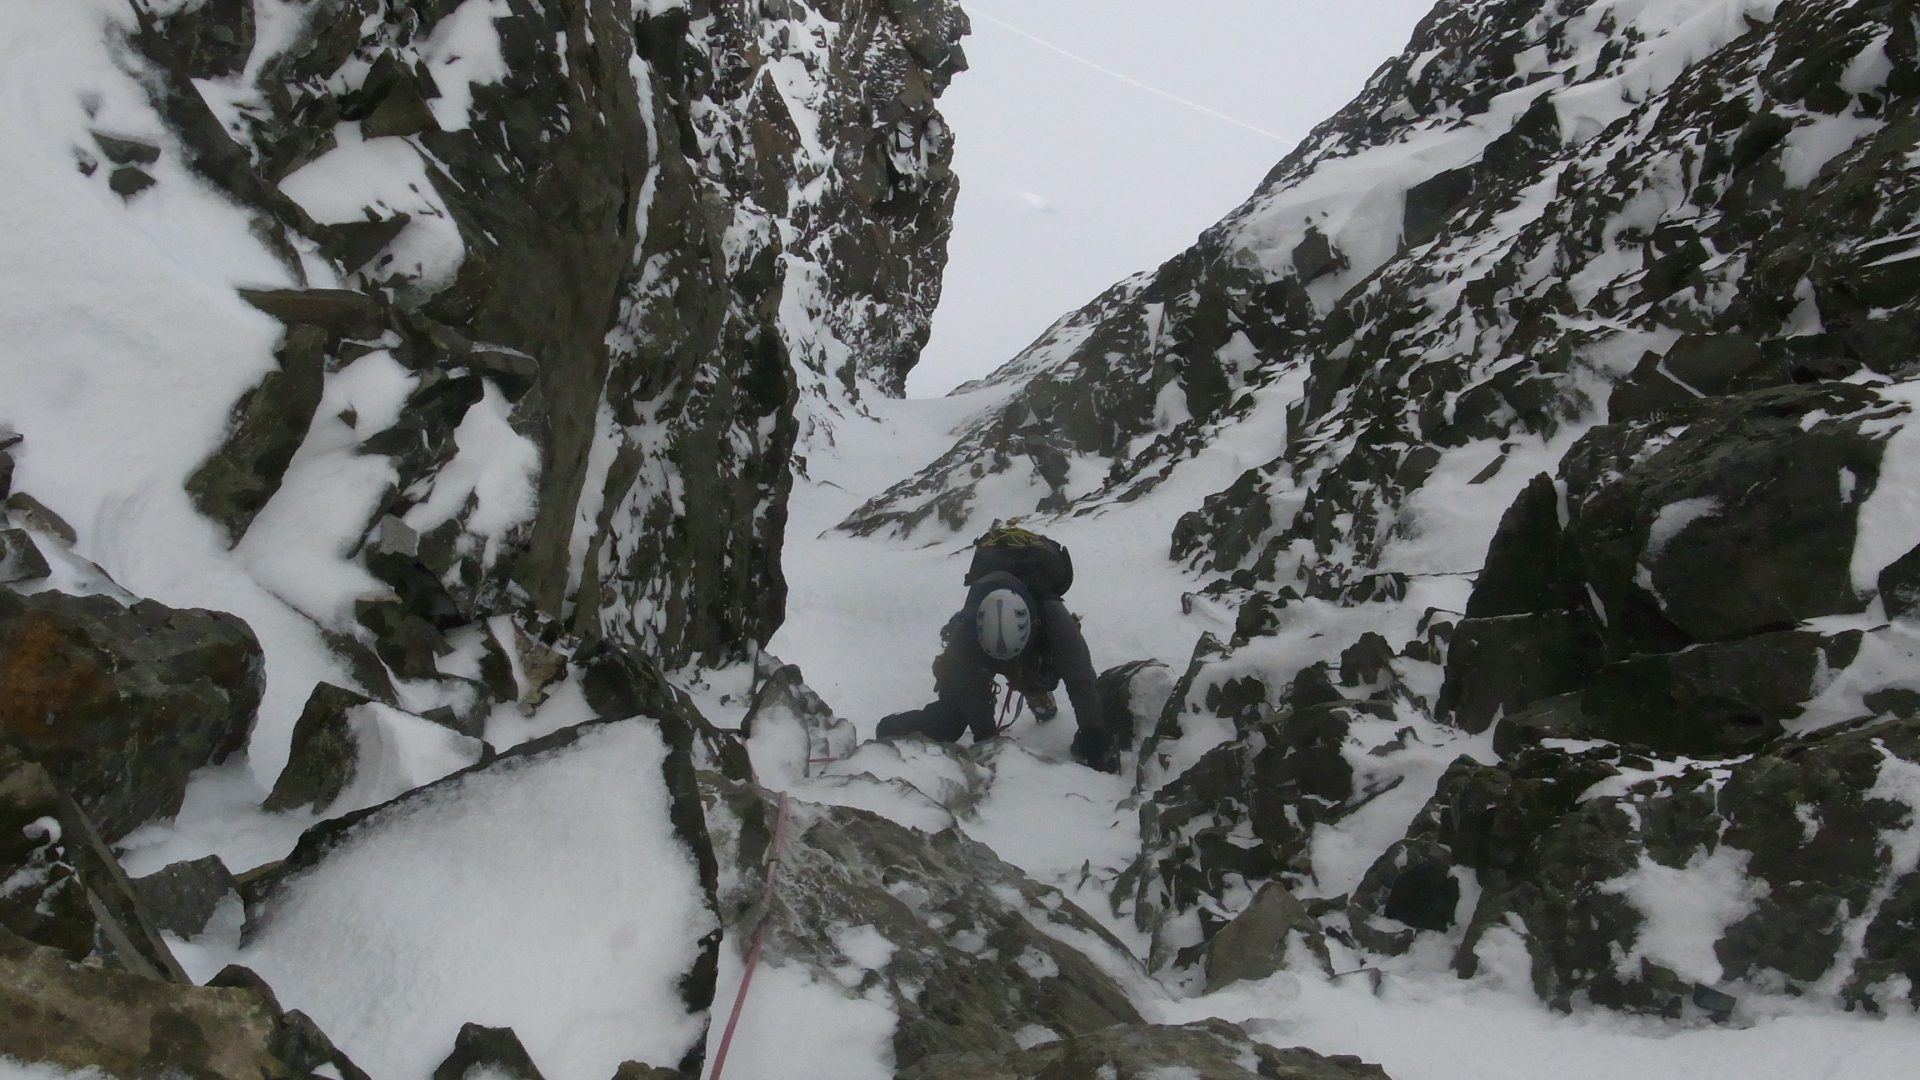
x: 644, y: 250
x: 122, y: 703
x: 974, y: 952
x: 1628, y: 882
x: 1666, y: 609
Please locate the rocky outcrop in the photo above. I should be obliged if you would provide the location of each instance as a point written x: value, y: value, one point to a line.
x: 1209, y: 1050
x: 121, y: 704
x: 77, y: 1017
x: 976, y: 951
x: 1632, y: 883
x: 87, y: 982
x: 65, y: 890
x: 183, y: 897
x: 1668, y: 608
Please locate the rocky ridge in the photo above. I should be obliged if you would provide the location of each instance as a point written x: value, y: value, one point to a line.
x: 1638, y: 278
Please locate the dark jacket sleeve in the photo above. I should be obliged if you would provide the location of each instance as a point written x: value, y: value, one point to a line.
x: 963, y: 683
x: 1067, y: 651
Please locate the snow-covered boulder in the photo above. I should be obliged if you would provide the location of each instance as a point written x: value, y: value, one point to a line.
x: 555, y: 890
x: 350, y: 753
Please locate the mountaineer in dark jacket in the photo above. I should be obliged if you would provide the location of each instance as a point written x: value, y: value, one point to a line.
x: 1015, y: 625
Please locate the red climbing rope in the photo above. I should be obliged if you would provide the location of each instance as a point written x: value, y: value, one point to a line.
x: 759, y: 936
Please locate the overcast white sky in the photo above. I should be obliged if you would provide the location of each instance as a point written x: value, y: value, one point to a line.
x: 1075, y: 173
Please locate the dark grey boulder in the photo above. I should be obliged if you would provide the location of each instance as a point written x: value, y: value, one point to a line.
x: 1525, y: 572
x: 484, y: 1053
x: 1207, y: 1050
x: 181, y: 898
x: 394, y: 100
x: 323, y: 755
x: 1737, y: 523
x: 1719, y: 698
x: 211, y: 39
x: 341, y: 312
x: 267, y: 426
x: 34, y: 514
x: 1132, y: 696
x: 1408, y: 889
x: 635, y: 1070
x: 130, y: 180
x: 126, y: 151
x: 20, y: 558
x: 121, y: 704
x: 340, y: 732
x: 1262, y: 940
x: 410, y: 645
x: 1498, y: 666
x: 353, y: 244
x: 1431, y: 202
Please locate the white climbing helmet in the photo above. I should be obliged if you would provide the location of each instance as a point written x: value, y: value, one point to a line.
x: 1004, y: 624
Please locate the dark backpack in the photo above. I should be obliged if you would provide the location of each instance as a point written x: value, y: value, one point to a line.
x: 1043, y: 564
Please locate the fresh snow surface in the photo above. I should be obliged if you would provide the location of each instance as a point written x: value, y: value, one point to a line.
x: 547, y: 894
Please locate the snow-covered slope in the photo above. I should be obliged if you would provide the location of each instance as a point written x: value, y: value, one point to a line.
x: 1509, y: 502
x: 1533, y: 446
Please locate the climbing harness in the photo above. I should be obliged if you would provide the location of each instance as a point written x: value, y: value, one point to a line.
x: 1005, y: 724
x: 759, y: 936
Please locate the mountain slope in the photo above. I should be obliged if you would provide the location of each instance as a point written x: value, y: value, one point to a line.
x: 1617, y: 291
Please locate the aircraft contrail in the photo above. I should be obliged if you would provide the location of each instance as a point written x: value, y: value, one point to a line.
x: 975, y: 12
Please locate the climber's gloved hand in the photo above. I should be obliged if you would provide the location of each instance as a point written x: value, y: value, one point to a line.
x: 1096, y: 750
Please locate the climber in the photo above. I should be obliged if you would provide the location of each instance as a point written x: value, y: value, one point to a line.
x: 1013, y: 624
